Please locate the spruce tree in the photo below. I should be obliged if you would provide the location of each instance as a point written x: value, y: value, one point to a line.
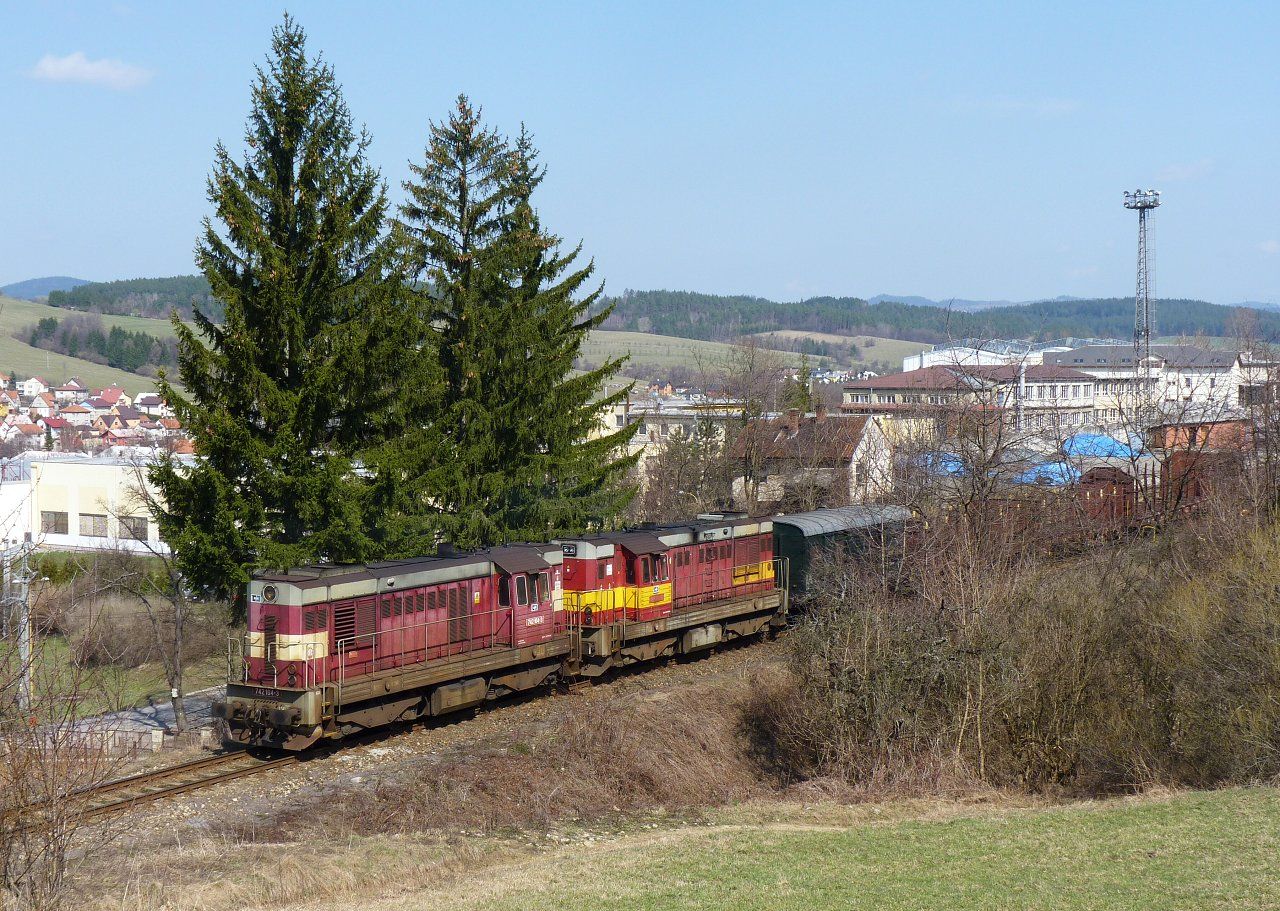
x: 507, y: 456
x: 289, y: 387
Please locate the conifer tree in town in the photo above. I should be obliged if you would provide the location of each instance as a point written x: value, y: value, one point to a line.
x: 507, y: 455
x: 281, y: 395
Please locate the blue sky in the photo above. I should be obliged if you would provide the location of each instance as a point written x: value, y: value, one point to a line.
x: 971, y: 150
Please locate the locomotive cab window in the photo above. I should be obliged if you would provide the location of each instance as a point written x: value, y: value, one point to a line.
x: 544, y: 588
x: 645, y: 571
x: 504, y: 592
x: 600, y: 572
x: 631, y: 572
x: 522, y: 590
x: 661, y: 567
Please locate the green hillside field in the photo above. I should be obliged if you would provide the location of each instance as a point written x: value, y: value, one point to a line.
x: 661, y: 352
x: 870, y: 347
x: 27, y: 360
x: 649, y: 353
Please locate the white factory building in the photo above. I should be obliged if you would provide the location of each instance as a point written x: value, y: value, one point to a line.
x: 75, y: 502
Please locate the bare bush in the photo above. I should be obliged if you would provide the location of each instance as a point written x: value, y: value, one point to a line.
x: 1150, y: 660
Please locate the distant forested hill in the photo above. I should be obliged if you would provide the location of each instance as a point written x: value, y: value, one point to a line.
x: 154, y: 297
x: 722, y: 318
x: 36, y: 288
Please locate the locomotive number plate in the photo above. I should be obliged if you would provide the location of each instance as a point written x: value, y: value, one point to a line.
x: 266, y: 691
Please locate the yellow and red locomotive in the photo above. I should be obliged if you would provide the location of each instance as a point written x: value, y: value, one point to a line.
x: 334, y: 649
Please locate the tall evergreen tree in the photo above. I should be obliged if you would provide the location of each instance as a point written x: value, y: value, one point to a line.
x: 289, y: 387
x: 507, y: 454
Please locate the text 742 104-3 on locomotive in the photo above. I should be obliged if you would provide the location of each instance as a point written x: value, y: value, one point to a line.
x: 335, y: 649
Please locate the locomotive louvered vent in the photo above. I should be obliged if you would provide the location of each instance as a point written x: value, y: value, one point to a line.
x: 309, y: 621
x: 458, y: 616
x: 269, y: 636
x: 366, y: 617
x: 344, y: 622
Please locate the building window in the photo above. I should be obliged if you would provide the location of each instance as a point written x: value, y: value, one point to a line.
x: 134, y: 527
x: 53, y: 523
x: 93, y: 526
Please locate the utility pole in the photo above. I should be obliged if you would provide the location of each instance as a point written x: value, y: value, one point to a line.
x: 24, y: 579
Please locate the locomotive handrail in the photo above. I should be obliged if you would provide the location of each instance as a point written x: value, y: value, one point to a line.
x: 345, y: 646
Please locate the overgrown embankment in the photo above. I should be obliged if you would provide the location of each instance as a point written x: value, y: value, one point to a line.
x: 1151, y: 661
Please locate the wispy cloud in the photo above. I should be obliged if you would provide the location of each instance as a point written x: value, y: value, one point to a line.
x: 1186, y: 170
x: 77, y: 68
x: 1008, y: 106
x: 1270, y: 247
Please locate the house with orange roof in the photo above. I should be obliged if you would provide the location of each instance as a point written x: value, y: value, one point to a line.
x: 43, y: 405
x: 114, y: 395
x: 76, y: 415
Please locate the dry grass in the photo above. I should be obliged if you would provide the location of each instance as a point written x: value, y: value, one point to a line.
x: 658, y: 751
x: 220, y: 874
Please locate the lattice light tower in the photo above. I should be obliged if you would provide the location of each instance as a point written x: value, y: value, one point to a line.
x: 1144, y: 301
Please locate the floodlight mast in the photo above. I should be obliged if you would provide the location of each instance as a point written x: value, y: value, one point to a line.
x: 1144, y: 300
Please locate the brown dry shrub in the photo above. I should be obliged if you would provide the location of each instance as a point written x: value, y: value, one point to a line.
x: 109, y: 631
x: 1150, y: 662
x: 631, y: 753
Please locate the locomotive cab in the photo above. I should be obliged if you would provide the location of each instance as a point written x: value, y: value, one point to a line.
x: 277, y: 671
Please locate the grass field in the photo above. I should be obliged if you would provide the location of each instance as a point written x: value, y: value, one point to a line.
x: 27, y: 360
x: 661, y: 352
x: 17, y: 314
x: 870, y: 347
x: 1197, y: 850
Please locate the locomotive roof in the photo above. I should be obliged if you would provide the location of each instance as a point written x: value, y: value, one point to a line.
x: 639, y: 542
x: 314, y: 575
x: 520, y: 558
x: 842, y: 518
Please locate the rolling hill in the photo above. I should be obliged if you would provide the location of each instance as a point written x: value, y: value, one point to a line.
x: 145, y: 297
x: 651, y: 354
x: 26, y: 360
x: 34, y: 288
x: 722, y: 318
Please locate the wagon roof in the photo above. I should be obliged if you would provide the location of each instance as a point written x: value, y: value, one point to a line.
x: 842, y: 518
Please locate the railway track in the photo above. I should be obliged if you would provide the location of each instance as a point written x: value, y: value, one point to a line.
x: 147, y: 787
x: 132, y: 791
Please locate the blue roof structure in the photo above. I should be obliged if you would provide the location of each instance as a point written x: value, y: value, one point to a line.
x: 1052, y: 474
x: 1096, y: 446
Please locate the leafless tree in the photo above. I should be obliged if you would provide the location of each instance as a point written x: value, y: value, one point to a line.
x: 50, y: 759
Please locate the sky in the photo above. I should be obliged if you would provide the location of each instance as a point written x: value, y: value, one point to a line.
x: 972, y: 150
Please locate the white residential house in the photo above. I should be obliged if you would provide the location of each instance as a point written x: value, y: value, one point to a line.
x: 43, y: 406
x: 806, y: 461
x: 32, y: 387
x: 77, y: 415
x: 70, y: 391
x: 150, y: 404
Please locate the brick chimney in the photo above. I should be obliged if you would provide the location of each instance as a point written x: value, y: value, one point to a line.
x: 820, y: 411
x: 793, y: 420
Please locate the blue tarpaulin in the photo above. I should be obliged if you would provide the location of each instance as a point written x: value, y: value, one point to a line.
x: 1054, y: 474
x: 1096, y: 446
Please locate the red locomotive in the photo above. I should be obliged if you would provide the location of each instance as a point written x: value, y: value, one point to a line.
x: 334, y: 649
